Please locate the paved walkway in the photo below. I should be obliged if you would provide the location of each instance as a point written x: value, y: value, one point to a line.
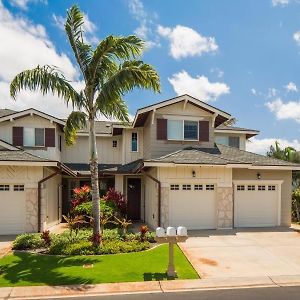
x: 45, y: 292
x: 244, y: 253
x: 5, y: 244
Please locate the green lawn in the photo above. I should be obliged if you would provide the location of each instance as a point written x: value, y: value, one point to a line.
x: 21, y: 269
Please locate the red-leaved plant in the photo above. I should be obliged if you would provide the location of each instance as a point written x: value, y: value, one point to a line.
x: 117, y: 198
x: 46, y: 237
x: 143, y: 230
x: 81, y: 195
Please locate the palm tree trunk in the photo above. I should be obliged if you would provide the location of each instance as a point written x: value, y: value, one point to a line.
x: 95, y: 184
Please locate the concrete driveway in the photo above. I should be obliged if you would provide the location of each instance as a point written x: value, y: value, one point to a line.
x: 5, y: 243
x: 244, y: 253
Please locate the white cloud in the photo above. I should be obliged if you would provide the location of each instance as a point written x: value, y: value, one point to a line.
x: 89, y: 28
x: 289, y: 110
x: 23, y: 46
x: 146, y: 22
x: 218, y: 72
x: 272, y: 92
x: 261, y: 146
x: 185, y: 41
x: 199, y: 87
x: 23, y: 4
x: 291, y: 87
x: 296, y: 37
x: 253, y: 92
x: 280, y: 2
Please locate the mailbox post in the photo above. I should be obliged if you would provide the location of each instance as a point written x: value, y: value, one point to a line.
x: 171, y: 237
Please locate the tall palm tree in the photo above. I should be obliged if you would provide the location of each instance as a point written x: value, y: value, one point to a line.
x: 109, y: 71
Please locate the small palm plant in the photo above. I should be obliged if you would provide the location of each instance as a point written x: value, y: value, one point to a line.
x: 124, y: 223
x: 109, y: 71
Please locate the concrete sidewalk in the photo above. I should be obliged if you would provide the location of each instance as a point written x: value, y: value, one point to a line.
x: 44, y: 292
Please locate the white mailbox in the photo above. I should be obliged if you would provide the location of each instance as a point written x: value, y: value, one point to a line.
x: 171, y: 231
x: 160, y: 232
x: 182, y: 231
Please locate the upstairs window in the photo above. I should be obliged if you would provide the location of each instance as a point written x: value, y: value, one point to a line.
x: 134, y: 142
x: 232, y: 141
x: 183, y: 130
x: 34, y: 137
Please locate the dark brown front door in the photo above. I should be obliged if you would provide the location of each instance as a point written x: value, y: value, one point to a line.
x: 134, y: 198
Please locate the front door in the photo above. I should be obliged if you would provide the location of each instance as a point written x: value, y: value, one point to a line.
x: 134, y: 198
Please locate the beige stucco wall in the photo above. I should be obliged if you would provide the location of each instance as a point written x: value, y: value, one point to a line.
x: 154, y: 148
x: 286, y: 187
x: 34, y: 121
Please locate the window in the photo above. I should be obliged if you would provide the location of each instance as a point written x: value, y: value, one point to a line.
x: 180, y: 130
x: 191, y: 130
x: 251, y: 188
x: 198, y: 187
x: 59, y: 143
x: 271, y: 188
x: 34, y: 137
x: 134, y: 142
x: 210, y: 187
x: 175, y: 131
x: 4, y: 187
x: 261, y: 187
x: 115, y: 144
x: 19, y: 187
x: 232, y: 141
x: 240, y: 188
x: 186, y: 187
x: 174, y: 187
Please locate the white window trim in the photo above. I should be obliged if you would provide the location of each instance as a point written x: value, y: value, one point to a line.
x: 185, y: 140
x: 137, y: 142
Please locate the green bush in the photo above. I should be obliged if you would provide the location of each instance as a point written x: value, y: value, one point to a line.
x: 28, y: 241
x: 79, y: 248
x: 137, y: 237
x: 84, y: 208
x: 114, y: 247
x: 111, y: 234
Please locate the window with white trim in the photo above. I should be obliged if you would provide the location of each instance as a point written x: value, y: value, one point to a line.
x: 198, y: 187
x: 134, y: 142
x: 34, y: 137
x: 271, y: 188
x: 186, y: 187
x: 261, y: 187
x: 251, y: 187
x: 240, y: 187
x: 19, y: 187
x: 210, y: 187
x: 4, y: 187
x: 183, y: 130
x: 174, y: 187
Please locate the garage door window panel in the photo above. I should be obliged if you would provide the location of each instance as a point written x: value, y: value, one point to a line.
x: 198, y: 187
x: 271, y: 188
x: 251, y: 188
x: 240, y: 188
x: 210, y: 187
x: 19, y: 187
x: 4, y: 187
x: 261, y: 187
x: 186, y: 187
x: 174, y: 187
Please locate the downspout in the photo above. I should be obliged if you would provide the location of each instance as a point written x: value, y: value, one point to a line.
x: 159, y: 194
x: 40, y: 195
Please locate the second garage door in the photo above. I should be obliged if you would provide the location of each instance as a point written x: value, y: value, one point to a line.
x: 12, y: 212
x: 192, y: 206
x: 256, y: 205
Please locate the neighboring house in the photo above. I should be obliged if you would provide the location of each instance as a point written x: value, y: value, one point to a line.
x: 177, y: 164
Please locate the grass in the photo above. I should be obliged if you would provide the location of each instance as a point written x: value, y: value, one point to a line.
x: 24, y: 269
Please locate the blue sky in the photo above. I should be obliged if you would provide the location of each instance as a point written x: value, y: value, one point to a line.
x: 241, y: 56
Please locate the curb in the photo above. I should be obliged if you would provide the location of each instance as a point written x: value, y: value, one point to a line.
x: 105, y: 289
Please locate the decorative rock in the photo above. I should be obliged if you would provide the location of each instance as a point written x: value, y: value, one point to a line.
x: 182, y: 231
x: 171, y: 231
x: 160, y: 232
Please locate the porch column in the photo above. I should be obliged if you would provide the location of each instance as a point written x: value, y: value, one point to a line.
x: 31, y: 209
x: 165, y: 205
x: 119, y: 183
x: 224, y: 207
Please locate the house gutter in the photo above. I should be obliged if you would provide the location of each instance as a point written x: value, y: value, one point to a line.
x: 159, y: 193
x: 62, y: 168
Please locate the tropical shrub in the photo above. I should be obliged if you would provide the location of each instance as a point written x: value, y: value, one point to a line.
x: 46, y: 237
x: 115, y: 246
x: 28, y: 241
x: 143, y: 230
x: 117, y: 198
x: 81, y: 195
x: 296, y: 205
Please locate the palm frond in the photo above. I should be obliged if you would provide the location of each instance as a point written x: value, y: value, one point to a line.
x: 74, y: 30
x: 45, y: 79
x: 76, y: 121
x: 112, y: 47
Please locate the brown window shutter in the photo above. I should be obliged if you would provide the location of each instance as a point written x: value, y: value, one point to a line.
x: 162, y: 129
x: 18, y: 136
x: 203, y: 131
x: 49, y: 137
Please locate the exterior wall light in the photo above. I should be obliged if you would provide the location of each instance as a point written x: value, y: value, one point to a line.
x: 258, y: 176
x: 171, y: 236
x: 194, y: 173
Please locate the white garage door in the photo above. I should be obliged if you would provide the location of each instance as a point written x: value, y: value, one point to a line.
x: 256, y: 205
x: 12, y: 209
x: 192, y: 206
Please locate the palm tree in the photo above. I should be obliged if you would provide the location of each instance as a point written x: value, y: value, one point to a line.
x: 109, y: 71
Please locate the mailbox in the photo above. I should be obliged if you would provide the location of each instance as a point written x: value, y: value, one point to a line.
x: 171, y: 231
x: 160, y: 232
x: 182, y: 231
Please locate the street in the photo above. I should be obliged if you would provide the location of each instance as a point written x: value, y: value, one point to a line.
x: 274, y: 293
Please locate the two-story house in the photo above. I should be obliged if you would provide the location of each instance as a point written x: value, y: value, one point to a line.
x: 176, y: 164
